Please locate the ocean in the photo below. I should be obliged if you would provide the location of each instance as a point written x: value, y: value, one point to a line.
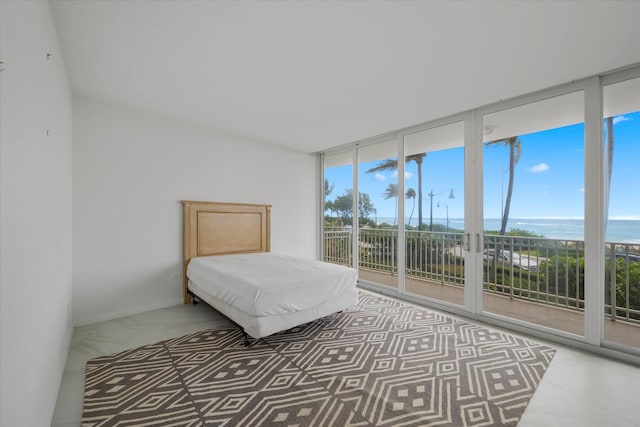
x: 618, y: 230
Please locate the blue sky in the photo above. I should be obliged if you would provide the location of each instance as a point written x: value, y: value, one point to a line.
x: 549, y: 179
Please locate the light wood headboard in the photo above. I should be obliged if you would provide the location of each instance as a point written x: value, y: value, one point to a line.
x: 212, y: 228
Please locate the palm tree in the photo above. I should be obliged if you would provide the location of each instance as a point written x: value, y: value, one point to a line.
x: 411, y: 194
x: 392, y: 164
x: 515, y: 152
x: 328, y: 204
x: 609, y: 157
x: 327, y: 188
x: 389, y: 192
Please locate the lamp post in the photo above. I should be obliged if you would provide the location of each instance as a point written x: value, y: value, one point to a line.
x: 431, y: 196
x: 445, y: 206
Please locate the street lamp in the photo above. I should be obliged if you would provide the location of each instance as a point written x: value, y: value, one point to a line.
x: 445, y: 206
x: 431, y: 196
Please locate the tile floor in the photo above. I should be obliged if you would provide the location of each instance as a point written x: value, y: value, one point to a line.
x: 578, y: 389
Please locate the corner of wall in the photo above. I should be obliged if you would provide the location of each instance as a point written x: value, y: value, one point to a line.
x: 35, y: 212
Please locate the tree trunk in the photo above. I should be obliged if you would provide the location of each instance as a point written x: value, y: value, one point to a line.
x: 419, y: 163
x: 609, y: 163
x: 412, y: 208
x: 395, y: 219
x: 507, y: 204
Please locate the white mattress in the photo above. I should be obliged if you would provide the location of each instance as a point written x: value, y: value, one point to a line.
x: 262, y: 326
x: 268, y: 284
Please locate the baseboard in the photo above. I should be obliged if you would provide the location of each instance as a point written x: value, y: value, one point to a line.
x: 119, y: 314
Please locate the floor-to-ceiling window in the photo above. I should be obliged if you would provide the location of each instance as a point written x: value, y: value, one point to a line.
x: 338, y: 208
x: 621, y: 149
x: 378, y: 213
x: 549, y: 182
x: 533, y: 252
x: 434, y: 208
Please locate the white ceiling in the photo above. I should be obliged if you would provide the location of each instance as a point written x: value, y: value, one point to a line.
x: 314, y: 75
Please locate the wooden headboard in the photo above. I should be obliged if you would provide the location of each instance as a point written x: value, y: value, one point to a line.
x: 212, y: 228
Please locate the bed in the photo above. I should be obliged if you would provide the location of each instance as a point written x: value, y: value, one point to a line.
x: 229, y: 265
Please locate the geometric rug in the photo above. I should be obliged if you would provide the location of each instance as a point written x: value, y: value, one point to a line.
x: 380, y: 363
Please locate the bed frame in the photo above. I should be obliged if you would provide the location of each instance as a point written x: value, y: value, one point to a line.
x: 212, y: 228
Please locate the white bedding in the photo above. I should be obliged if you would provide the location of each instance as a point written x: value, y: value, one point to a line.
x: 263, y: 326
x: 268, y: 284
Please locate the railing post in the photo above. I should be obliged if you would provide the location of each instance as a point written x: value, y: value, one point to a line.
x: 442, y: 256
x: 578, y: 275
x: 392, y: 252
x: 612, y: 282
x: 511, y: 273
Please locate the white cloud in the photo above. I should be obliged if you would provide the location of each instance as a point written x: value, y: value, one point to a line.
x: 380, y: 177
x: 619, y: 119
x: 540, y: 167
x: 407, y: 175
x: 581, y: 189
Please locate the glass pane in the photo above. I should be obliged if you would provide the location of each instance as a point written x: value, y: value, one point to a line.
x: 378, y: 218
x: 338, y: 204
x: 434, y: 210
x: 622, y: 212
x: 533, y: 253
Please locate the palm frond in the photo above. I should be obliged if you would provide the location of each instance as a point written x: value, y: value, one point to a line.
x: 416, y: 157
x: 410, y: 194
x: 386, y: 165
x: 517, y: 145
x: 390, y: 191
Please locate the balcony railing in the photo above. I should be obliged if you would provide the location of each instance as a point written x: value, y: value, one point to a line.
x: 337, y: 245
x: 547, y: 271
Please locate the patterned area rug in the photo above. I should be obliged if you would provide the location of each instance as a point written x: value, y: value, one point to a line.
x: 381, y: 363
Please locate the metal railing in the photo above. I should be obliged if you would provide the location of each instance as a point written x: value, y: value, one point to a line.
x: 623, y: 278
x: 546, y: 271
x: 337, y: 245
x: 378, y: 249
x: 535, y: 269
x: 435, y: 256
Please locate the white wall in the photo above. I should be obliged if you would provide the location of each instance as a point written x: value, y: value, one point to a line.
x: 130, y: 171
x: 35, y: 211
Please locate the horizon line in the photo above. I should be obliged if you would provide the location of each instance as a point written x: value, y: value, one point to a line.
x: 614, y: 218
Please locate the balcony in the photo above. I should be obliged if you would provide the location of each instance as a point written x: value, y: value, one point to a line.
x: 537, y: 280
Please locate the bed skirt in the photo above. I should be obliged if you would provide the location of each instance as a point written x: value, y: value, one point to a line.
x: 262, y: 326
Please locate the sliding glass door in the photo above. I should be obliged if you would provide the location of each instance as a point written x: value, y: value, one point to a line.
x: 533, y: 252
x: 621, y: 153
x: 378, y: 213
x: 434, y: 211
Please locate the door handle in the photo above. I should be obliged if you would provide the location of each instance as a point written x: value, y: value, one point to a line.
x: 478, y: 243
x: 467, y: 242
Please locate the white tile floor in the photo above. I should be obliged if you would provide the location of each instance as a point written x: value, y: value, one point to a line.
x: 121, y: 334
x: 578, y: 389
